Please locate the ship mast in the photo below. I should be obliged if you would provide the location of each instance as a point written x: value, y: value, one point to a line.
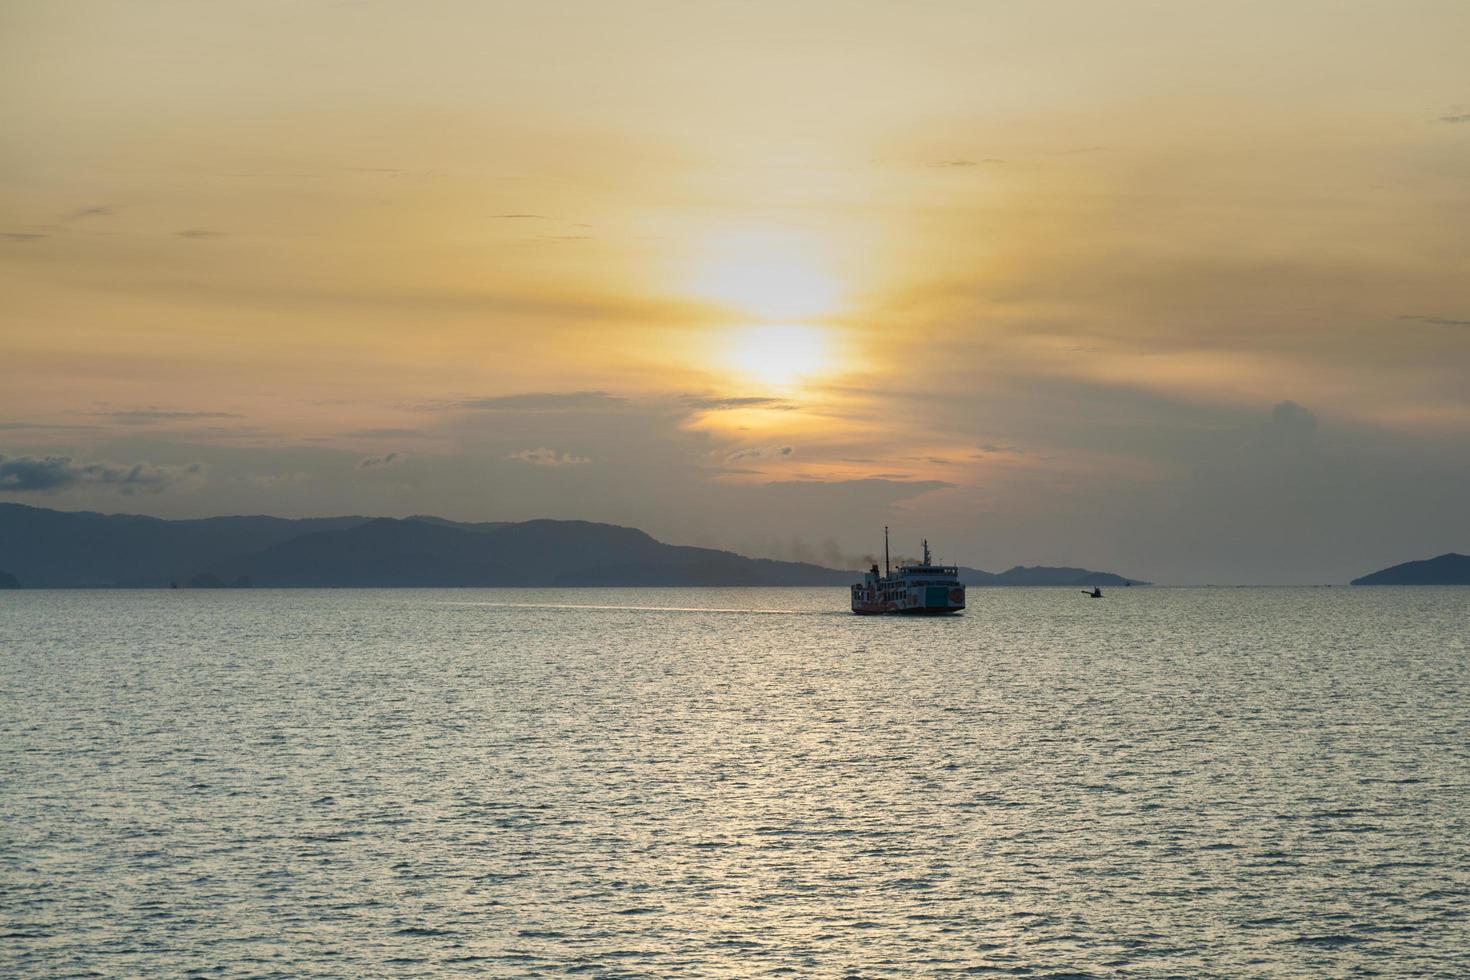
x: 926, y: 552
x: 886, y: 572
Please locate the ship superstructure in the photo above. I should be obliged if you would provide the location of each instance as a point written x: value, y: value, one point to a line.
x: 913, y: 588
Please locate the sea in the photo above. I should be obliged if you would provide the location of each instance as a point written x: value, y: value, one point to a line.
x: 734, y: 783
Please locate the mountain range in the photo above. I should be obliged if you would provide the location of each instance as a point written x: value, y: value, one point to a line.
x: 65, y: 549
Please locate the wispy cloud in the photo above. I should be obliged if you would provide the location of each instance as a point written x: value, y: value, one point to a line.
x: 199, y: 233
x: 378, y: 462
x: 541, y: 456
x: 761, y: 452
x: 270, y: 481
x: 1456, y: 114
x: 1288, y: 415
x: 99, y: 211
x: 148, y: 416
x: 540, y: 217
x: 22, y: 474
x: 540, y: 401
x: 22, y: 236
x: 386, y: 433
x: 721, y: 404
x: 897, y: 485
x: 23, y: 426
x: 966, y: 163
x: 1438, y: 321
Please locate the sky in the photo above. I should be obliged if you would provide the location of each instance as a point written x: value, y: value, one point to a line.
x: 1175, y: 290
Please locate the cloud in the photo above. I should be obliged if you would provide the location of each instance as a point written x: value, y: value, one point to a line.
x: 719, y: 404
x: 199, y: 233
x: 1290, y: 415
x: 540, y: 217
x: 541, y: 401
x: 1291, y: 429
x: 383, y: 298
x: 147, y: 416
x: 1438, y: 321
x: 272, y: 174
x: 888, y: 487
x: 965, y: 163
x: 1456, y: 114
x: 23, y: 474
x: 389, y: 433
x: 22, y: 236
x: 100, y: 211
x: 14, y: 426
x: 378, y: 462
x: 394, y: 173
x: 270, y: 481
x: 542, y: 456
x: 772, y: 452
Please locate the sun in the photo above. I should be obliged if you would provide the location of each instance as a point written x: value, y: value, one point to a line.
x: 779, y: 282
x: 780, y: 354
x: 774, y: 276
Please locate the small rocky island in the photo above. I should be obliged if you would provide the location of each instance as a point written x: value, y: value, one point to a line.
x: 8, y: 581
x: 1447, y: 569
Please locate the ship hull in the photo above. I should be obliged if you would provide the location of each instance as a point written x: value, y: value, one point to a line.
x: 950, y: 611
x: 935, y: 601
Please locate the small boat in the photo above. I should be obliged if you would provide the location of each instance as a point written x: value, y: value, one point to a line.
x: 912, y: 589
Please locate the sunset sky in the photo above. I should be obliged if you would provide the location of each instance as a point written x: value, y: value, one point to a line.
x: 1177, y: 290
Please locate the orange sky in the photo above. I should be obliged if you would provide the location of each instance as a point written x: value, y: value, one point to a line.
x: 764, y: 276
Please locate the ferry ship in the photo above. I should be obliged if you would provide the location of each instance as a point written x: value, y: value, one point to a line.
x: 913, y: 589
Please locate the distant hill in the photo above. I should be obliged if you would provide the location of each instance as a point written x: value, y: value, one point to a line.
x: 59, y: 549
x: 386, y: 552
x: 1447, y: 569
x: 462, y: 525
x: 8, y: 581
x: 81, y: 549
x: 1034, y: 575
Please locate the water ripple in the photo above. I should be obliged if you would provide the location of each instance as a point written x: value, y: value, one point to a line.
x: 733, y: 783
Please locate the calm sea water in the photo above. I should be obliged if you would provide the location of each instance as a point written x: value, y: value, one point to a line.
x: 705, y: 782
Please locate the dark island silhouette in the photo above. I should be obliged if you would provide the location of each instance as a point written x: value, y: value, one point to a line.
x: 61, y: 549
x: 1447, y: 569
x: 1044, y: 575
x: 8, y: 581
